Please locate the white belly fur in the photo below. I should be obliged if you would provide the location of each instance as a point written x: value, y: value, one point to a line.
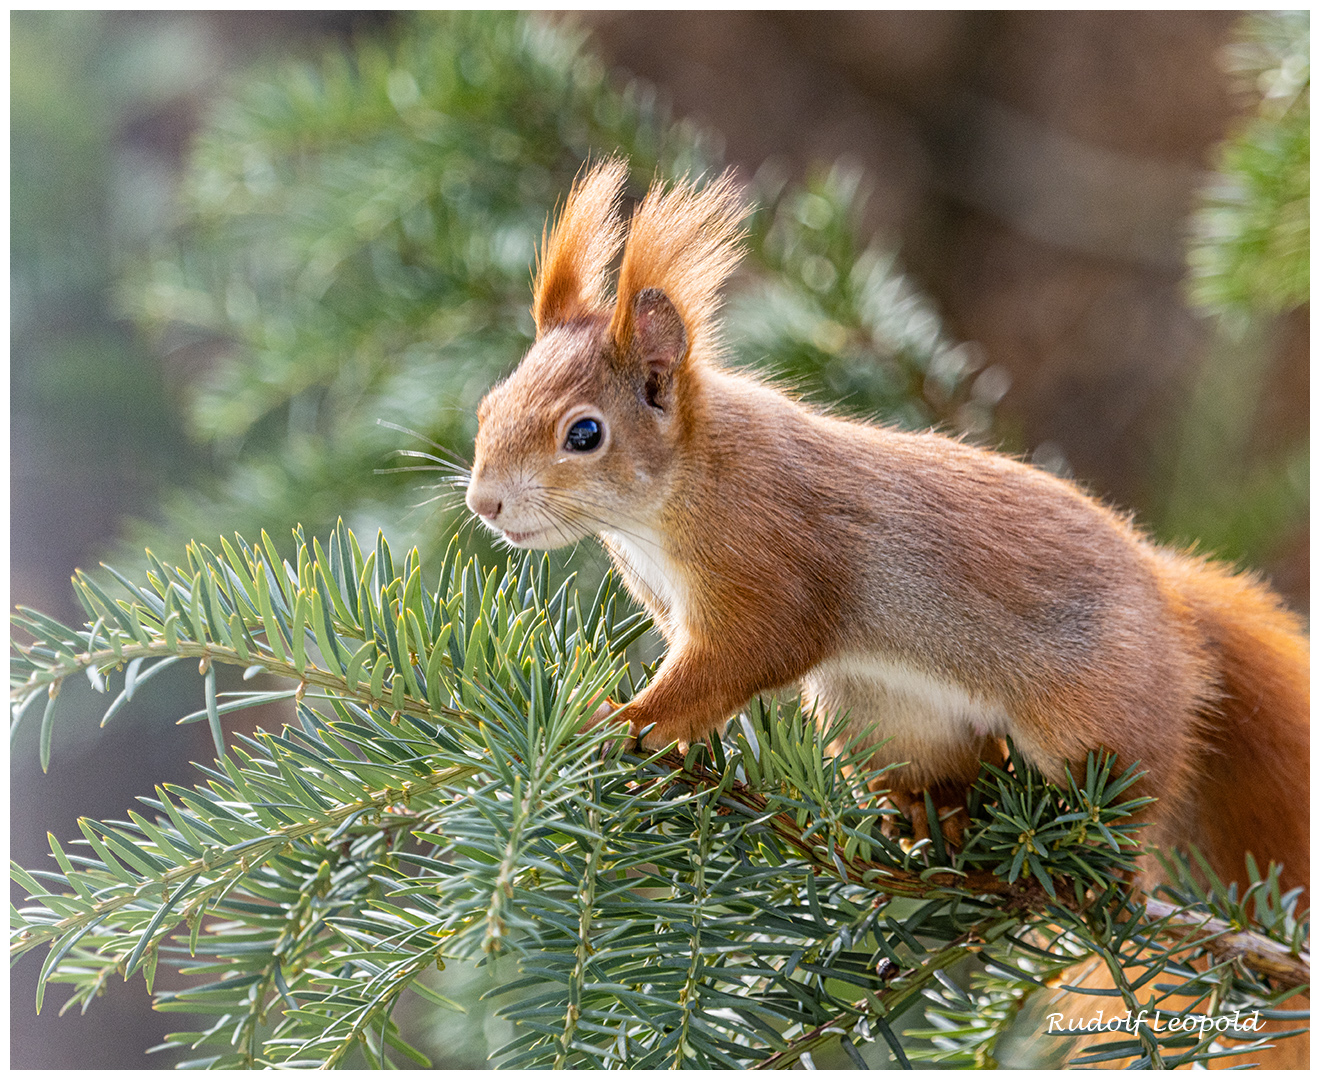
x: 644, y: 556
x: 927, y: 719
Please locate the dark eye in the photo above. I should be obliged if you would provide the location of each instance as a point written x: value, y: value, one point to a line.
x: 584, y: 435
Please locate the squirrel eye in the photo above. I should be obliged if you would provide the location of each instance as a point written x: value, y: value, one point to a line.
x: 584, y: 435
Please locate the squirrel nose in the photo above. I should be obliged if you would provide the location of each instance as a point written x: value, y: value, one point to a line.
x: 483, y: 505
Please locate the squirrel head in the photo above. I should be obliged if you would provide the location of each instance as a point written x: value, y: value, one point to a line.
x: 584, y: 436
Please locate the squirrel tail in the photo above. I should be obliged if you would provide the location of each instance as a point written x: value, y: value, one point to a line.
x: 1253, y: 792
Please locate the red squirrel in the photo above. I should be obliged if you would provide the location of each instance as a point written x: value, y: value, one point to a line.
x: 943, y: 596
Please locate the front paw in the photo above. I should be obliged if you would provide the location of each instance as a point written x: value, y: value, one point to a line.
x: 651, y: 736
x: 644, y: 737
x: 622, y: 733
x: 953, y: 819
x: 602, y: 713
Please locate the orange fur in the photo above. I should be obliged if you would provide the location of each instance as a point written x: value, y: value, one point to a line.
x: 570, y: 279
x: 942, y: 595
x: 683, y: 242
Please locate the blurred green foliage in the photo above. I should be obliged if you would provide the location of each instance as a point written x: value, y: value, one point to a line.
x: 836, y: 319
x: 1251, y: 248
x: 93, y: 434
x: 86, y: 399
x: 1249, y: 261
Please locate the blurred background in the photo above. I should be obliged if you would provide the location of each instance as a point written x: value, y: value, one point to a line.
x: 240, y: 239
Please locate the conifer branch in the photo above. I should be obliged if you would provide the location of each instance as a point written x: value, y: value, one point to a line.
x: 1223, y: 941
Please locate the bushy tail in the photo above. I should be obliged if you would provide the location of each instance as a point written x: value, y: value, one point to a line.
x: 1254, y: 789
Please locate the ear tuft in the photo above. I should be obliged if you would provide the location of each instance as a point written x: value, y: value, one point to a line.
x: 682, y: 244
x: 570, y: 278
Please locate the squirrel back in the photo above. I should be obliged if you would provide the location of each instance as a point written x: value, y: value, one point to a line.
x: 942, y: 596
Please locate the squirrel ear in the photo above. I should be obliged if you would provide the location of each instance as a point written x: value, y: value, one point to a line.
x: 658, y: 333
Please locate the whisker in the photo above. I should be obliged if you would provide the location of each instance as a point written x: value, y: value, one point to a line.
x: 444, y: 455
x: 467, y: 525
x: 420, y: 468
x: 407, y: 468
x: 441, y: 513
x: 441, y: 460
x: 453, y: 504
x: 418, y: 435
x: 577, y: 503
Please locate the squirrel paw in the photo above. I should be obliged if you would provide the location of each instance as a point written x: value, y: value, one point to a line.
x: 954, y: 820
x: 602, y: 713
x: 605, y: 714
